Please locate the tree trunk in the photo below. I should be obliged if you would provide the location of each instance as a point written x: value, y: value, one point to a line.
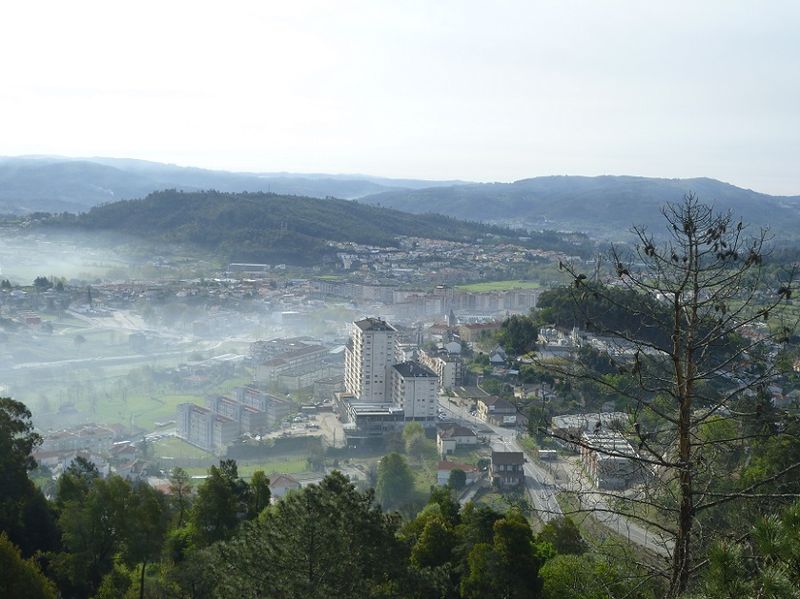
x: 141, y: 580
x: 683, y: 365
x: 681, y: 555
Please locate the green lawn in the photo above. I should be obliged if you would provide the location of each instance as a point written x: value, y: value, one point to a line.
x: 178, y: 448
x: 499, y: 285
x: 528, y: 443
x: 290, y: 464
x: 471, y: 455
x: 493, y: 498
x: 424, y: 478
x: 285, y: 465
x: 230, y: 384
x: 147, y: 410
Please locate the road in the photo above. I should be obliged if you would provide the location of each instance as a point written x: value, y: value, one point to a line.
x: 99, y: 361
x: 539, y: 484
x: 543, y: 489
x: 598, y: 505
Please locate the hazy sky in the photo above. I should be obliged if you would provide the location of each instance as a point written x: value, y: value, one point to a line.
x: 484, y: 90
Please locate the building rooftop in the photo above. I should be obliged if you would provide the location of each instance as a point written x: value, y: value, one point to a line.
x: 283, y: 480
x: 608, y: 442
x: 498, y: 404
x: 194, y: 407
x: 374, y: 409
x: 284, y: 357
x: 413, y: 368
x: 588, y: 421
x: 507, y: 457
x: 477, y: 326
x: 455, y: 431
x: 445, y: 465
x: 374, y: 324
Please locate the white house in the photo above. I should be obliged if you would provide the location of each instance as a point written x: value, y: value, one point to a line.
x: 451, y: 438
x: 282, y: 484
x: 445, y: 467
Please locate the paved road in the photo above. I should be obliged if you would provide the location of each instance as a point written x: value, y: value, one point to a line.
x: 628, y: 528
x: 539, y: 484
x: 625, y: 527
x: 542, y: 488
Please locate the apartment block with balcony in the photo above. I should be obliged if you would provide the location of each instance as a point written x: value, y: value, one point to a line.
x: 368, y: 355
x: 414, y: 388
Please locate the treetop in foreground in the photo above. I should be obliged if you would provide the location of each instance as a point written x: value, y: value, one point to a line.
x: 691, y: 374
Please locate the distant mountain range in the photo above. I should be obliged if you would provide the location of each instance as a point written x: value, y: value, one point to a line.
x: 57, y: 184
x: 604, y: 206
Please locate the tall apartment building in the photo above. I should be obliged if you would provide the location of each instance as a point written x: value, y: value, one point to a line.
x: 449, y: 367
x: 202, y: 427
x: 276, y: 408
x: 298, y: 365
x: 368, y: 355
x: 414, y: 388
x: 249, y: 419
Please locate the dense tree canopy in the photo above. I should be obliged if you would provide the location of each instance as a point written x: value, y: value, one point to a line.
x: 328, y: 541
x: 267, y: 227
x: 24, y: 514
x: 518, y: 334
x: 19, y: 577
x: 682, y: 318
x: 395, y: 481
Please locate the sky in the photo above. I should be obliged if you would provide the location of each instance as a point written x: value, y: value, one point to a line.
x: 473, y: 90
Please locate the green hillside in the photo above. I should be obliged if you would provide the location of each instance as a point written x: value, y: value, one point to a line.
x: 594, y: 204
x: 265, y: 227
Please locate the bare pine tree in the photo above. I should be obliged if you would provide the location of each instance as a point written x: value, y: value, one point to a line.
x: 693, y: 356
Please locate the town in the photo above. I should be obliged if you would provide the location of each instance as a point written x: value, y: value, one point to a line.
x: 272, y: 366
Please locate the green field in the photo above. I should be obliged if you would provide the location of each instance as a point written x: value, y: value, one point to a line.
x: 499, y: 285
x: 175, y: 447
x: 290, y: 464
x: 142, y: 409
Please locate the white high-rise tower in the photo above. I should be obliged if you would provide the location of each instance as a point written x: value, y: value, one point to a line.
x: 368, y: 356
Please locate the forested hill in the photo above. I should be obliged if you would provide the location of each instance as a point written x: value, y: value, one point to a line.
x: 592, y: 204
x: 265, y: 227
x: 57, y: 184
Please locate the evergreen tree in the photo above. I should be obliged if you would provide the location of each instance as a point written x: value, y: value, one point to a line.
x: 25, y: 516
x: 395, y: 482
x: 327, y: 540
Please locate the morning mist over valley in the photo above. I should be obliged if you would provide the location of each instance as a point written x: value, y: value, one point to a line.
x: 367, y: 300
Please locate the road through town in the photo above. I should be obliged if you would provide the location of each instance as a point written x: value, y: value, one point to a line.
x: 538, y: 482
x: 543, y: 488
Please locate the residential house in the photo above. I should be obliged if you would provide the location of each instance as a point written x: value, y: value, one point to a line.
x: 281, y: 484
x: 445, y: 468
x: 449, y: 439
x: 498, y: 357
x: 497, y: 411
x: 507, y: 468
x: 472, y: 332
